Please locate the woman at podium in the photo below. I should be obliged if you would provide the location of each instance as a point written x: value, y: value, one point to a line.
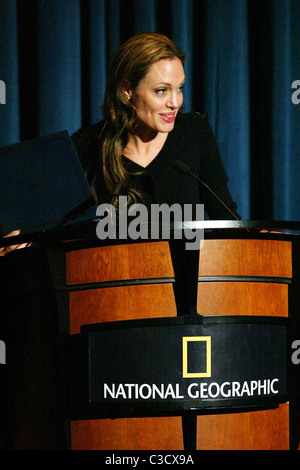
x: 144, y: 140
x: 146, y: 148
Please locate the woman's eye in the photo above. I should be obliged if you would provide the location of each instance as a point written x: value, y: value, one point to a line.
x: 160, y: 91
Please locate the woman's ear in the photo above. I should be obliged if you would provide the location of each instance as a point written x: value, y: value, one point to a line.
x: 127, y: 90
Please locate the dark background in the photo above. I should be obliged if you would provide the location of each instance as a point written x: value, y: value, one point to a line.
x: 242, y: 58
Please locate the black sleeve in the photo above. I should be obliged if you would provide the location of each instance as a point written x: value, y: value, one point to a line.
x: 88, y: 147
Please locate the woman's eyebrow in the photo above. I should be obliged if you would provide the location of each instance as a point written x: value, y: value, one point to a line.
x: 168, y: 84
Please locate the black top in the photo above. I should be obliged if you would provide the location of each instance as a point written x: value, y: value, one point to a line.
x: 192, y: 142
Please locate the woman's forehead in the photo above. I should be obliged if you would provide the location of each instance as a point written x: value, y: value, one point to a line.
x: 166, y: 71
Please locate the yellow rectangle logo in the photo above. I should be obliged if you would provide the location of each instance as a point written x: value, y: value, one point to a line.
x: 185, y: 373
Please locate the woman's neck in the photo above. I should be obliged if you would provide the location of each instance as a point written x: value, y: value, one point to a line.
x: 143, y: 150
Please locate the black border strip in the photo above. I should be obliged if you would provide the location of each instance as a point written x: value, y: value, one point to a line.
x: 186, y: 320
x: 268, y: 280
x: 175, y: 408
x: 70, y: 235
x: 125, y: 282
x: 171, y: 280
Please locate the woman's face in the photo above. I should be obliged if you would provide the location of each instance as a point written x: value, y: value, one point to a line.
x: 158, y: 96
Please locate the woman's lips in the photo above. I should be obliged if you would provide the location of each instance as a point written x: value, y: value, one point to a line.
x: 168, y: 117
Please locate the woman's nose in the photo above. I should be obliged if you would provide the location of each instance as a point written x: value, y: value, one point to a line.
x: 174, y: 101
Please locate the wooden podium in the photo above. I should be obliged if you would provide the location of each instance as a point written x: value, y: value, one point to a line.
x: 241, y: 272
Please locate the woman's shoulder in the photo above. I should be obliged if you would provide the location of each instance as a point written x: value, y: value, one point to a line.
x: 193, y: 127
x: 86, y: 141
x: 88, y: 134
x: 192, y: 121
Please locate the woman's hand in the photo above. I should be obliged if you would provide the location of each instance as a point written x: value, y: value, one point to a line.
x: 6, y: 249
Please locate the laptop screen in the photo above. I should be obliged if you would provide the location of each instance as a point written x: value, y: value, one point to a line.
x: 42, y: 183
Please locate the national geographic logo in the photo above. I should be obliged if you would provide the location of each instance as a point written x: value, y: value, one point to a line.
x: 196, y: 350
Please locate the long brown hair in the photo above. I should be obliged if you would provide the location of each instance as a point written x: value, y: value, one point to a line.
x: 130, y: 64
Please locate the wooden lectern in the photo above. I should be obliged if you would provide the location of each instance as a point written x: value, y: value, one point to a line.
x: 241, y: 272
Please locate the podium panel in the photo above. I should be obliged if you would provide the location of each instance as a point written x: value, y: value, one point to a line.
x: 71, y: 281
x: 246, y: 277
x: 255, y: 430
